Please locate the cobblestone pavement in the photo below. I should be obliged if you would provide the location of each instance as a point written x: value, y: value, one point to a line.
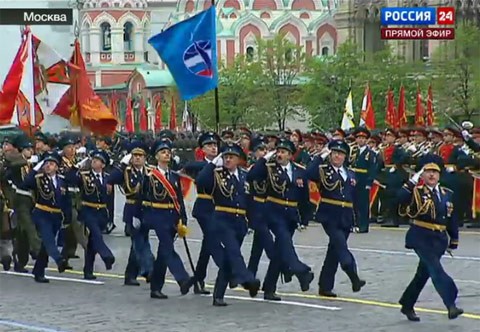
x: 107, y: 305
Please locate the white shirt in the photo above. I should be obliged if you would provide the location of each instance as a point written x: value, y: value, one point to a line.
x: 235, y: 174
x: 361, y: 149
x: 288, y: 169
x: 54, y: 181
x: 342, y: 172
x: 436, y: 190
x: 98, y: 176
x: 163, y: 171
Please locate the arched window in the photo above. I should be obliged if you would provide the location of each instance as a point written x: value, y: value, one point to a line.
x: 128, y: 36
x: 250, y: 53
x: 106, y: 36
x: 325, y: 51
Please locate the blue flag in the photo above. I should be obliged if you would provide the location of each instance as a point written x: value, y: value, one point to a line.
x: 189, y: 49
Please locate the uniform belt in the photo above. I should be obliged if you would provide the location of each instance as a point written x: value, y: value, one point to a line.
x: 130, y: 201
x: 73, y: 190
x: 336, y: 202
x: 282, y: 201
x: 360, y: 170
x: 165, y: 206
x: 23, y: 192
x: 94, y: 205
x: 204, y: 196
x: 259, y: 199
x: 47, y: 208
x: 230, y: 210
x: 429, y: 225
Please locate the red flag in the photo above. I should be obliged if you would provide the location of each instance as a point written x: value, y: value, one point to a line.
x: 368, y: 113
x: 173, y: 115
x: 430, y: 114
x: 129, y: 128
x: 476, y: 196
x: 401, y: 111
x: 419, y: 110
x: 114, y: 99
x: 158, y: 113
x: 88, y: 109
x: 11, y: 85
x: 391, y: 118
x: 314, y: 193
x: 143, y: 116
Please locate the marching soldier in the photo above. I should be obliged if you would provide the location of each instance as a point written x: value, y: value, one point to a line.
x: 436, y: 138
x: 130, y: 175
x: 433, y: 217
x: 163, y: 210
x: 226, y: 182
x: 94, y: 212
x: 300, y: 156
x: 203, y: 210
x: 50, y: 192
x: 336, y: 184
x: 364, y: 165
x: 287, y: 203
x: 26, y: 236
x: 42, y: 144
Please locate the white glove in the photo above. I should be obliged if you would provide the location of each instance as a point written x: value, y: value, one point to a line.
x: 136, y: 223
x: 466, y: 135
x: 126, y: 160
x: 269, y: 155
x: 416, y: 177
x: 412, y: 148
x: 39, y: 166
x: 392, y: 170
x: 449, y: 169
x: 82, y: 162
x: 82, y: 150
x: 218, y: 160
x: 176, y: 159
x: 33, y: 159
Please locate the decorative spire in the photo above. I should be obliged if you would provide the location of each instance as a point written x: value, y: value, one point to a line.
x: 76, y: 29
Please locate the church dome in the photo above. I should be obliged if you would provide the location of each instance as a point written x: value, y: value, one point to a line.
x: 89, y: 4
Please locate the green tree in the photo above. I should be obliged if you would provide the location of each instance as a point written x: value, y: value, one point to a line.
x: 457, y: 74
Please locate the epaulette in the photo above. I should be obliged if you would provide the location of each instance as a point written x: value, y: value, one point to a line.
x: 270, y: 164
x: 39, y: 175
x: 323, y: 165
x: 217, y: 169
x: 128, y: 168
x: 84, y: 172
x: 106, y: 174
x: 299, y: 165
x: 446, y: 189
x: 420, y: 186
x: 61, y: 176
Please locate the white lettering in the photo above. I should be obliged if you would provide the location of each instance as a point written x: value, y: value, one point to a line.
x: 32, y: 17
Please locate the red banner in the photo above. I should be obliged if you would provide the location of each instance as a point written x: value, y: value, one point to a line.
x: 315, y: 197
x: 476, y: 196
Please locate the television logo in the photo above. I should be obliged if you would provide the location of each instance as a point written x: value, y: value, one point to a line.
x: 417, y: 16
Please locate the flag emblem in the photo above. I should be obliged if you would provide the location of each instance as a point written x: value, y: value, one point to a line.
x: 198, y: 58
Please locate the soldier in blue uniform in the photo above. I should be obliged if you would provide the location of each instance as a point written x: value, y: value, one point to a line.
x: 94, y: 211
x: 129, y: 175
x: 226, y: 183
x: 364, y: 165
x: 432, y: 216
x: 163, y: 210
x: 50, y: 200
x: 336, y: 184
x: 262, y: 238
x: 203, y: 209
x: 287, y: 204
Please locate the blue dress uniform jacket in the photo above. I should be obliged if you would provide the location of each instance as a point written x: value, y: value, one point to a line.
x: 94, y: 213
x: 47, y: 215
x: 335, y: 212
x: 229, y: 224
x: 433, y: 217
x: 140, y: 259
x: 287, y: 201
x: 365, y: 167
x: 160, y: 214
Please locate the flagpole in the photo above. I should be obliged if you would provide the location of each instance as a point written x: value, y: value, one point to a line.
x: 217, y: 106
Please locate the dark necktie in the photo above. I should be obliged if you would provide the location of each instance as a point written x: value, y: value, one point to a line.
x: 99, y: 178
x: 436, y: 197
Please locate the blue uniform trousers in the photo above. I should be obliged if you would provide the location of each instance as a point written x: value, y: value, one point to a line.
x: 204, y: 255
x: 140, y: 258
x: 337, y: 252
x: 430, y: 250
x: 262, y: 237
x: 164, y: 222
x: 95, y: 221
x: 362, y: 207
x: 47, y: 224
x: 283, y: 227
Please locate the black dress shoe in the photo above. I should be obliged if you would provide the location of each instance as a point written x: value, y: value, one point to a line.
x: 186, y: 285
x: 410, y: 313
x: 287, y: 277
x: 326, y: 293
x: 271, y: 297
x: 305, y: 281
x: 68, y: 267
x: 34, y: 255
x: 199, y: 288
x: 73, y: 257
x: 62, y: 265
x: 253, y: 287
x: 109, y: 261
x: 454, y: 312
x: 232, y: 284
x: 89, y: 276
x: 41, y: 279
x: 131, y: 282
x: 219, y: 303
x: 148, y: 277
x: 357, y: 285
x: 19, y: 269
x: 7, y: 262
x: 158, y: 295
